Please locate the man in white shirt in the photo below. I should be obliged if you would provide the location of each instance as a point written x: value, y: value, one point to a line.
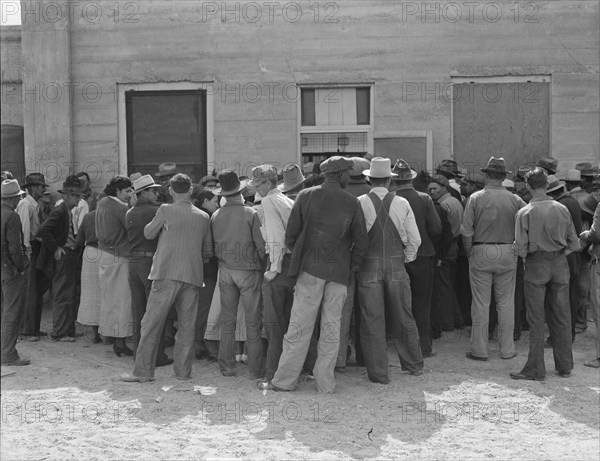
x: 278, y: 290
x: 383, y: 283
x: 38, y: 283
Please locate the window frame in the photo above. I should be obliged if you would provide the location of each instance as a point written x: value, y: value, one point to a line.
x: 164, y: 87
x: 369, y: 129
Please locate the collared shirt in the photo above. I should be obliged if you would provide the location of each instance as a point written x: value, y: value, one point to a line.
x: 544, y: 225
x: 401, y: 215
x: 490, y: 214
x: 454, y: 211
x: 27, y: 210
x: 78, y: 212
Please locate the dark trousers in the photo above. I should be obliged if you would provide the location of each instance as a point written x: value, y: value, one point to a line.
x: 420, y: 272
x: 278, y: 297
x: 547, y: 277
x: 462, y: 285
x: 140, y: 286
x: 37, y: 284
x: 247, y: 285
x: 574, y: 260
x: 64, y: 300
x: 13, y: 306
x: 445, y: 314
x: 204, y: 302
x: 391, y: 294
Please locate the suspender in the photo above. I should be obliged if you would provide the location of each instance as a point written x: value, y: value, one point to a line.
x: 382, y: 209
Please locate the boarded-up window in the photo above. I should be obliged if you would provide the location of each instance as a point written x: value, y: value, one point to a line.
x: 510, y: 120
x: 336, y: 106
x: 166, y: 126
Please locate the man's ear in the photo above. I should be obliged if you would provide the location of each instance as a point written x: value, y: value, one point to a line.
x: 171, y: 191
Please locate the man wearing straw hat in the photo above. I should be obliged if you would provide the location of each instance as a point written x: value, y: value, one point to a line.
x: 14, y: 265
x: 292, y: 182
x: 488, y: 234
x: 383, y: 283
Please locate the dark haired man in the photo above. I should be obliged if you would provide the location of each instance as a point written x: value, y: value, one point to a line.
x: 488, y: 234
x: 38, y: 283
x: 58, y: 257
x: 177, y: 276
x: 327, y: 235
x: 544, y: 235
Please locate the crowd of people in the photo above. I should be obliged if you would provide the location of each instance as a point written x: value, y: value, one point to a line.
x: 296, y: 275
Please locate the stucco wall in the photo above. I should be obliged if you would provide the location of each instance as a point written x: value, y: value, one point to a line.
x: 392, y: 44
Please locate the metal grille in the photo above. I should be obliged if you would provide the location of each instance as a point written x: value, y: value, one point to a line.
x: 316, y: 144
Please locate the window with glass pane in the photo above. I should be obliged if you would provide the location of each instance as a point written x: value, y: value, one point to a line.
x: 166, y: 126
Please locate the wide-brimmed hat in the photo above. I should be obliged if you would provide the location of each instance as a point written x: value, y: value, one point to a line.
x: 10, y: 188
x: 360, y: 164
x: 37, y: 179
x: 166, y: 169
x: 292, y: 178
x: 571, y: 176
x: 230, y: 183
x: 495, y: 165
x: 554, y: 184
x: 589, y: 204
x: 448, y: 167
x: 549, y: 164
x: 590, y: 173
x: 335, y: 164
x: 72, y: 185
x: 143, y: 183
x: 208, y: 178
x: 263, y: 173
x: 403, y: 171
x: 381, y: 167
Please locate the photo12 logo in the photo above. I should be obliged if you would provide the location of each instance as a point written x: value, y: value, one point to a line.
x: 269, y: 12
x: 453, y: 12
x: 71, y: 11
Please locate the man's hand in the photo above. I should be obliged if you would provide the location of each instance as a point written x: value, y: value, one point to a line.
x: 270, y: 275
x: 59, y: 253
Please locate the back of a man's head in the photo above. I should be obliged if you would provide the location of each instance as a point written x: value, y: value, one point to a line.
x: 537, y: 178
x: 181, y: 183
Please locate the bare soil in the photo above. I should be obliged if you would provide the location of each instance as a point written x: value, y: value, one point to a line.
x: 70, y: 404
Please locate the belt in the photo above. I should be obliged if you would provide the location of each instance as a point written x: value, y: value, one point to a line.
x: 492, y: 243
x: 144, y: 254
x: 547, y: 253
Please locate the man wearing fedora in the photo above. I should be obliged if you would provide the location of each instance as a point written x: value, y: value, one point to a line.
x: 420, y: 270
x: 445, y: 313
x: 278, y: 290
x: 520, y: 185
x: 327, y: 236
x: 14, y: 266
x: 449, y: 169
x: 141, y: 252
x: 383, y: 283
x: 488, y: 234
x: 166, y: 171
x: 240, y: 248
x: 544, y: 235
x: 38, y: 283
x: 556, y: 190
x: 293, y: 180
x: 58, y: 259
x: 177, y: 275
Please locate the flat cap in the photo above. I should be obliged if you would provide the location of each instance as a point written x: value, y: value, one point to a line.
x: 336, y: 163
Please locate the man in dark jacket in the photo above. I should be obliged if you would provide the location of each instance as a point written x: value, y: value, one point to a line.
x: 57, y: 257
x: 14, y: 265
x: 420, y: 270
x: 142, y: 251
x: 327, y: 235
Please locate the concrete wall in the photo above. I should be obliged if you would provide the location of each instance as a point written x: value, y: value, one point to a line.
x: 393, y: 44
x: 11, y: 76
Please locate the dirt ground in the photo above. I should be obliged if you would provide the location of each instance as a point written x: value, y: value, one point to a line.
x: 70, y: 404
